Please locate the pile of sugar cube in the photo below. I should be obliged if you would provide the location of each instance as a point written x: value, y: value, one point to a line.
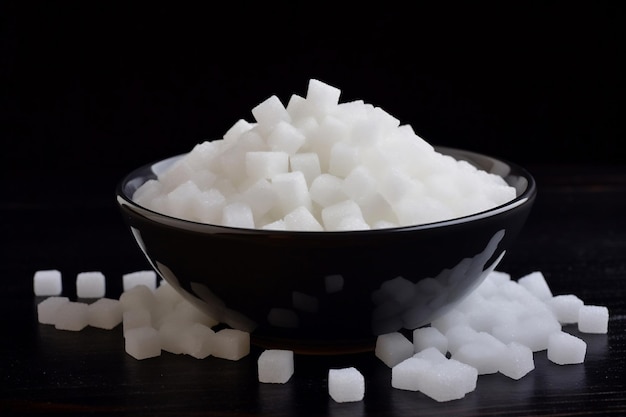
x: 154, y: 316
x: 317, y: 164
x: 497, y: 328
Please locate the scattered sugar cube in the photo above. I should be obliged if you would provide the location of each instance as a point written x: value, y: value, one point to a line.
x: 138, y: 317
x: 47, y: 282
x: 275, y: 366
x: 142, y: 343
x: 72, y: 316
x: 431, y: 354
x: 393, y: 348
x: 104, y: 313
x: 518, y: 360
x: 447, y: 381
x: 139, y: 296
x: 564, y: 349
x: 132, y: 279
x: 565, y: 307
x: 47, y: 309
x: 231, y: 344
x: 238, y: 214
x: 407, y: 375
x: 346, y: 385
x: 535, y: 282
x: 593, y: 319
x: 426, y: 337
x: 90, y: 284
x: 171, y: 334
x: 484, y: 356
x: 198, y: 341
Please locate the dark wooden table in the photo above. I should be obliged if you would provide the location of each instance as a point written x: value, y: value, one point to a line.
x: 576, y: 235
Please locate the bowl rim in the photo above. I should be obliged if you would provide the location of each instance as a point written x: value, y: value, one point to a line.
x: 525, y: 196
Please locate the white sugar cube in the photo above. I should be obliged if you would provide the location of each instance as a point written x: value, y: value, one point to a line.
x: 181, y: 198
x: 71, y: 316
x: 448, y: 380
x: 270, y: 112
x: 292, y: 191
x: 231, y: 344
x: 285, y: 138
x: 535, y: 282
x: 327, y: 190
x: 302, y: 219
x: 90, y: 284
x: 266, y: 164
x: 275, y: 366
x: 431, y: 354
x: 308, y: 163
x: 237, y: 214
x: 564, y: 349
x: 460, y: 335
x: 517, y: 361
x: 393, y: 348
x: 47, y: 309
x: 187, y: 312
x: 483, y: 355
x: 198, y: 341
x: 139, y: 296
x: 565, y: 307
x: 407, y: 375
x: 142, y: 343
x: 138, y: 317
x: 343, y: 158
x: 171, y: 335
x: 260, y: 197
x: 593, y: 319
x: 333, y: 215
x: 47, y: 282
x: 145, y: 277
x: 104, y: 313
x: 346, y: 385
x: 448, y: 320
x: 426, y: 337
x: 237, y: 129
x: 323, y: 96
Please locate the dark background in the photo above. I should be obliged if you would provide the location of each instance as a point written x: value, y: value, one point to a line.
x: 94, y: 89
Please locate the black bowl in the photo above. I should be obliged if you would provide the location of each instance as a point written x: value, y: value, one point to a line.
x: 328, y: 292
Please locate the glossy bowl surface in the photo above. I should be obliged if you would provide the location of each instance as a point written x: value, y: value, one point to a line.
x: 328, y: 292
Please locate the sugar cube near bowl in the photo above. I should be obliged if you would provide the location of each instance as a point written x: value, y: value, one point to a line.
x: 346, y: 384
x: 47, y: 282
x: 275, y: 366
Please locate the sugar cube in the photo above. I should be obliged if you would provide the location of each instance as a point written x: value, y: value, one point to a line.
x: 144, y: 277
x: 231, y: 344
x: 47, y: 309
x: 104, y: 313
x: 90, y: 284
x: 564, y: 348
x: 393, y: 348
x: 47, y: 282
x: 593, y: 319
x: 72, y: 316
x: 346, y: 384
x: 275, y: 366
x: 142, y: 343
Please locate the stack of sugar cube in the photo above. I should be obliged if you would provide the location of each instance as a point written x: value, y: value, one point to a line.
x: 154, y: 318
x: 497, y: 328
x: 318, y: 164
